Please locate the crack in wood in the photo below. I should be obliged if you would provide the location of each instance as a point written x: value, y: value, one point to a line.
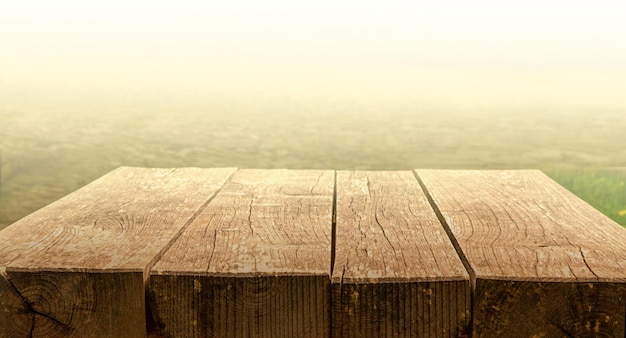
x: 32, y: 326
x: 317, y: 182
x: 208, y: 266
x: 66, y: 328
x: 395, y: 252
x: 580, y: 249
x: 250, y: 215
x: 562, y: 329
x: 382, y: 229
x: 333, y: 240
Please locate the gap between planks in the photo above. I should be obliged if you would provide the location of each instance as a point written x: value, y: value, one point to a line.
x: 182, y: 229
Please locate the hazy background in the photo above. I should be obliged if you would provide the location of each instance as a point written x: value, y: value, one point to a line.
x: 87, y: 87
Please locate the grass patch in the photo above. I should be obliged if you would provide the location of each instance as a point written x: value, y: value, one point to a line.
x: 604, y: 188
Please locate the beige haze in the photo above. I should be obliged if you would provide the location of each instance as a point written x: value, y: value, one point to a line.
x: 560, y: 55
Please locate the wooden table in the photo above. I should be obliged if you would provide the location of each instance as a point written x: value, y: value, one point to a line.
x: 223, y: 252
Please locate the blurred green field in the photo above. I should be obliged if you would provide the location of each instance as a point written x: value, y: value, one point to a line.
x: 46, y: 155
x: 604, y: 189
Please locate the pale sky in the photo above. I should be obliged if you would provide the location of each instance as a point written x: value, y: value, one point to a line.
x: 466, y: 54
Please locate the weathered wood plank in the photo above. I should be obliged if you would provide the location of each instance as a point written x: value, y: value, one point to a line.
x: 254, y: 263
x: 395, y: 268
x: 544, y: 263
x: 77, y: 267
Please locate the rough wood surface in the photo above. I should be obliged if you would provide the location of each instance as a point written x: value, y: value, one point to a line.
x: 77, y: 267
x: 396, y: 273
x: 254, y: 263
x: 544, y: 263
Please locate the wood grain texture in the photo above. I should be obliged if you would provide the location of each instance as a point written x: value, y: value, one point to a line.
x: 72, y: 304
x: 254, y: 263
x: 396, y: 273
x: 544, y: 263
x: 77, y: 267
